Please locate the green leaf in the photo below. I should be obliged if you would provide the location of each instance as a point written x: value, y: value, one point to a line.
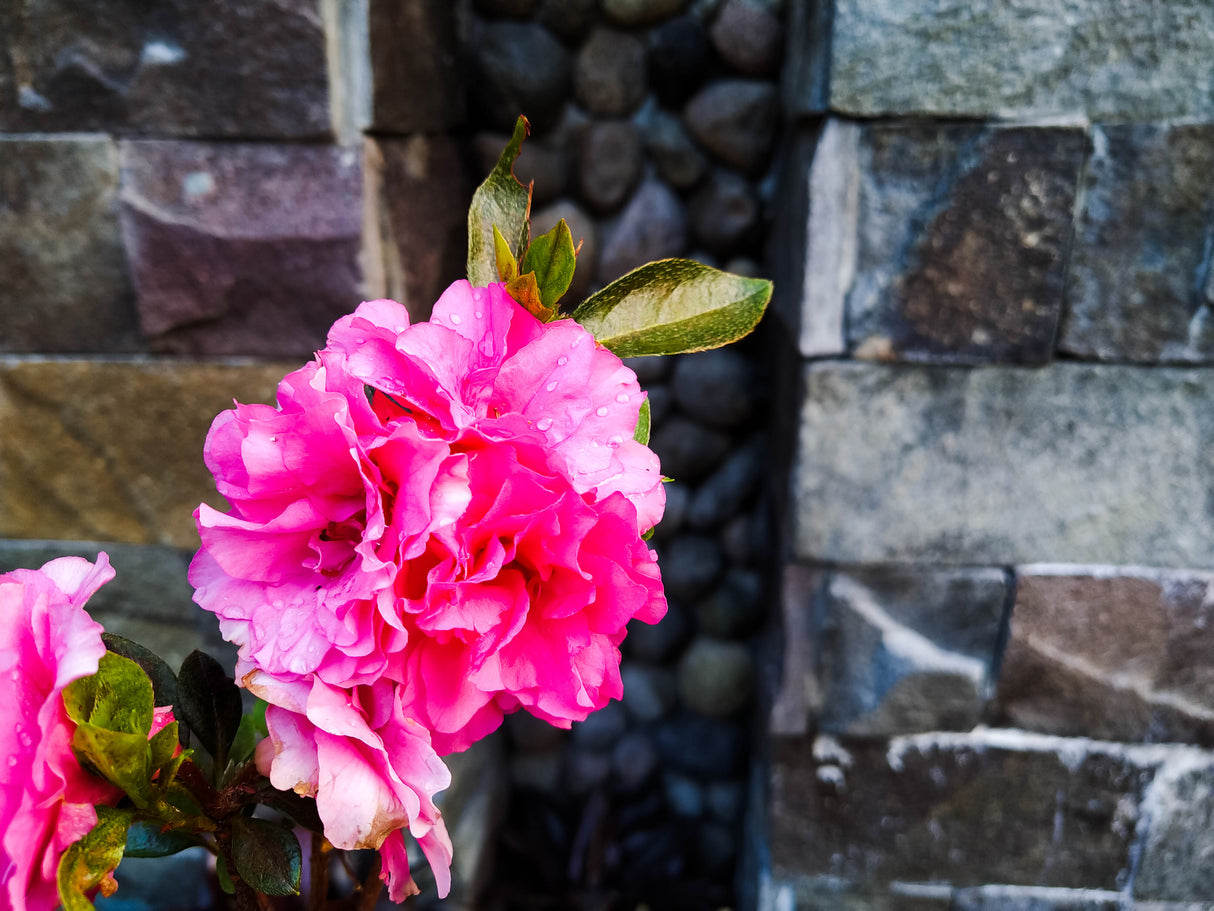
x: 224, y: 877
x: 251, y: 731
x: 673, y: 306
x: 164, y: 681
x: 507, y: 262
x: 210, y: 704
x: 503, y: 202
x: 118, y: 697
x: 641, y: 434
x: 552, y: 258
x: 124, y: 760
x: 163, y: 745
x: 266, y: 855
x: 145, y: 839
x: 87, y: 863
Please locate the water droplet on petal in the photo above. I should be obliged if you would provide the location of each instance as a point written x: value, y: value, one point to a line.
x: 623, y: 397
x: 456, y: 319
x: 480, y: 314
x: 360, y: 341
x: 543, y: 424
x: 551, y: 387
x: 273, y: 439
x: 615, y: 442
x: 562, y: 361
x: 12, y: 762
x: 601, y: 411
x: 26, y: 740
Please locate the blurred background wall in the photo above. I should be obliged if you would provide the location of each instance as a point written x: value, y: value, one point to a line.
x: 938, y: 549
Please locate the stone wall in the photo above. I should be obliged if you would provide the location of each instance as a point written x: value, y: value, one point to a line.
x: 994, y: 268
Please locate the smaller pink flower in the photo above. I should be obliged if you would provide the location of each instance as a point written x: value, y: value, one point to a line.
x: 47, y: 640
x: 371, y: 768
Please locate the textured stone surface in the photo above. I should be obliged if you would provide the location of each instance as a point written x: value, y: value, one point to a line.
x: 640, y: 12
x: 541, y: 163
x: 1077, y: 463
x: 241, y: 248
x: 417, y: 84
x: 651, y: 226
x: 964, y: 809
x: 1033, y: 898
x: 1142, y: 247
x: 1178, y: 815
x: 730, y: 488
x: 678, y: 58
x: 609, y: 75
x: 724, y: 212
x: 688, y: 450
x: 717, y: 387
x: 609, y: 163
x: 569, y: 19
x: 254, y: 69
x: 64, y: 284
x: 1029, y: 59
x: 715, y: 677
x: 962, y: 232
x: 906, y: 650
x: 113, y: 450
x: 735, y: 119
x: 423, y: 193
x: 677, y: 158
x: 517, y: 68
x: 1113, y: 653
x: 748, y: 37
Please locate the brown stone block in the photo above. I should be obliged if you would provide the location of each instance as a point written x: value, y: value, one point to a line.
x: 960, y: 809
x: 63, y: 277
x: 112, y: 451
x: 962, y: 235
x: 417, y: 83
x: 1116, y: 653
x: 242, y: 248
x: 251, y: 69
x: 421, y: 191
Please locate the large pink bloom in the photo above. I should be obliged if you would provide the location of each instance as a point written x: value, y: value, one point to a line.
x: 443, y: 520
x: 46, y: 799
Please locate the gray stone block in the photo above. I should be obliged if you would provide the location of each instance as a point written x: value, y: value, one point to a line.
x: 1075, y: 463
x: 962, y: 231
x: 65, y: 285
x: 253, y: 69
x: 1142, y: 248
x: 959, y: 809
x: 906, y: 650
x: 1034, y: 898
x: 1106, y: 59
x: 242, y: 248
x: 417, y: 85
x: 1118, y: 653
x: 1178, y: 819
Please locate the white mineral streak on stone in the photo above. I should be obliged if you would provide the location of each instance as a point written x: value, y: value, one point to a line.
x: 798, y: 689
x: 921, y: 890
x: 903, y: 642
x: 828, y: 751
x: 348, y: 52
x: 830, y: 254
x: 1162, y: 575
x: 1047, y: 895
x: 1071, y: 751
x: 161, y: 53
x: 831, y: 775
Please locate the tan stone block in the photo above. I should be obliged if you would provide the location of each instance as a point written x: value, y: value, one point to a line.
x: 112, y: 450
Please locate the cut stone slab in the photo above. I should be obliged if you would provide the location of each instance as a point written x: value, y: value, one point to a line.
x: 906, y: 650
x: 112, y: 450
x: 242, y: 248
x: 1036, y: 58
x: 1075, y: 463
x: 254, y: 69
x: 961, y: 239
x: 1178, y: 818
x: 1142, y: 247
x: 960, y: 809
x: 423, y: 193
x: 1118, y: 653
x: 417, y: 83
x: 65, y: 285
x: 1035, y: 898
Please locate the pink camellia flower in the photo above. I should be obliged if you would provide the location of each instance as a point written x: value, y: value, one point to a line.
x: 46, y: 799
x: 439, y: 523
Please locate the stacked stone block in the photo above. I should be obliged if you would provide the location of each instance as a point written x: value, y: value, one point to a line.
x: 994, y: 271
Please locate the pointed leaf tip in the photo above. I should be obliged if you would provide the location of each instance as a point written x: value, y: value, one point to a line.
x: 499, y: 201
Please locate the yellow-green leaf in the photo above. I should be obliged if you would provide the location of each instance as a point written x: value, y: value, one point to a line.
x: 503, y: 202
x: 641, y: 434
x: 673, y: 306
x: 552, y: 257
x: 124, y: 760
x: 507, y: 262
x: 88, y: 863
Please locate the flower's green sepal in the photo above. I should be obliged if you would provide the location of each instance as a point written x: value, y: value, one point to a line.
x: 674, y: 306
